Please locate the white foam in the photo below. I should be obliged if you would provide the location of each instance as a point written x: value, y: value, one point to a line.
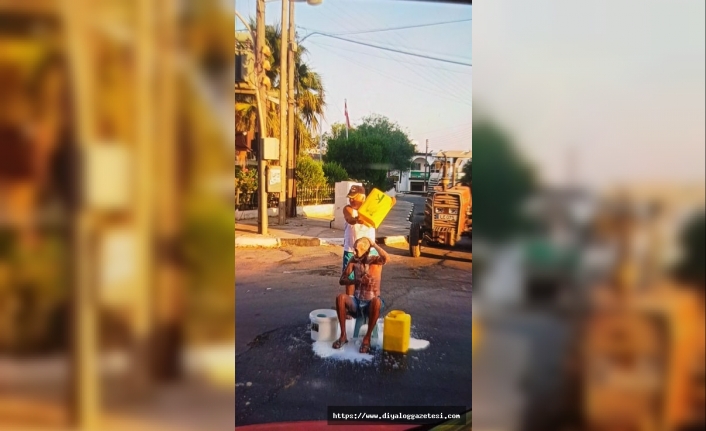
x: 349, y: 352
x: 415, y: 344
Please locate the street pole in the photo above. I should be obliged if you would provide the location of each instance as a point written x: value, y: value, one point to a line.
x: 262, y: 110
x: 291, y: 153
x: 84, y: 385
x: 169, y: 305
x: 426, y: 158
x: 283, y: 104
x: 145, y: 115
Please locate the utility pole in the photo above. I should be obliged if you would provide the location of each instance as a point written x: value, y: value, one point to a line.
x: 85, y: 386
x: 262, y: 165
x: 144, y: 198
x: 426, y: 159
x: 169, y: 305
x: 572, y: 167
x: 292, y: 152
x: 283, y: 104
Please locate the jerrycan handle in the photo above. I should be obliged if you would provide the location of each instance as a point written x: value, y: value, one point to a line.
x: 395, y: 313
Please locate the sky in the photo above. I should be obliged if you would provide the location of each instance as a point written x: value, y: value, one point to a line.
x: 429, y: 99
x: 619, y: 83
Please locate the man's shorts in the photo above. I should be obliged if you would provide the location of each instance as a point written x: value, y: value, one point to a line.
x: 362, y: 308
x: 348, y: 255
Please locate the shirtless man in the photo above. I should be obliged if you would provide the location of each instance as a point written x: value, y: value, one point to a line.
x: 354, y: 230
x: 367, y: 271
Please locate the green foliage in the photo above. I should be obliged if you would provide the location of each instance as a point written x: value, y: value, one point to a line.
x: 372, y: 149
x: 33, y: 290
x: 691, y: 268
x: 309, y: 94
x: 334, y: 172
x: 467, y: 177
x: 310, y: 173
x: 208, y: 257
x: 506, y: 180
x: 245, y: 179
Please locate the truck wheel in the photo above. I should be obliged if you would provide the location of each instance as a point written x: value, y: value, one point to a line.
x: 415, y: 248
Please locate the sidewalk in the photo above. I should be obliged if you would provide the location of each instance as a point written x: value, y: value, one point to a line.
x: 302, y: 231
x: 298, y: 231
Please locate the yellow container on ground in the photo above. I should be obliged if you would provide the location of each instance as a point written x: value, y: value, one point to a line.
x: 375, y: 208
x: 475, y: 334
x: 397, y: 330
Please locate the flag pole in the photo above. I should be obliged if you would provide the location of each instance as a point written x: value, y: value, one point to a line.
x: 345, y: 104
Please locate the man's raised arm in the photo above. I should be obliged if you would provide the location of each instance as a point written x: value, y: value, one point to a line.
x: 348, y: 216
x: 383, y: 257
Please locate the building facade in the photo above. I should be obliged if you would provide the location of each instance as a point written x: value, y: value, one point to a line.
x: 425, y: 171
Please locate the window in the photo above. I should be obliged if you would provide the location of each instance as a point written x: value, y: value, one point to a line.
x: 419, y: 164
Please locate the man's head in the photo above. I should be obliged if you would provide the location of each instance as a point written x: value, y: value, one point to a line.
x: 356, y: 196
x: 362, y: 247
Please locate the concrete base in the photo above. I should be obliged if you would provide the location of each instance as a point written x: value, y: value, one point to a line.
x: 341, y: 200
x: 315, y: 211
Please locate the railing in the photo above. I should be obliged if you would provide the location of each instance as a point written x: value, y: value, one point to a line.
x: 249, y: 201
x: 305, y: 196
x: 315, y: 196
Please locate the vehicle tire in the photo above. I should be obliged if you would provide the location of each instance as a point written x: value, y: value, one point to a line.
x: 415, y: 243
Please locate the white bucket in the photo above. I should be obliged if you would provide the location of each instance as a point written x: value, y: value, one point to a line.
x: 324, y: 325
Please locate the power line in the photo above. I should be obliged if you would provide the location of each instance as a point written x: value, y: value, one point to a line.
x: 396, y: 60
x: 420, y: 88
x: 428, y: 57
x: 393, y: 28
x: 374, y: 22
x: 397, y: 41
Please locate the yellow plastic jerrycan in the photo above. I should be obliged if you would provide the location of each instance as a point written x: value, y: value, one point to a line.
x: 396, y: 333
x: 375, y: 208
x: 475, y: 334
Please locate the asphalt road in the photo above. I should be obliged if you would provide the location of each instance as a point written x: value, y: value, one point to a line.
x: 278, y: 377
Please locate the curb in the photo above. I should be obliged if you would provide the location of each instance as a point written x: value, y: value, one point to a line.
x: 399, y: 239
x: 300, y: 242
x: 248, y: 241
x: 254, y: 242
x: 273, y: 242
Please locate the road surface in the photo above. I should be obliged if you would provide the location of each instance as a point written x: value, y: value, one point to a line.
x: 278, y: 377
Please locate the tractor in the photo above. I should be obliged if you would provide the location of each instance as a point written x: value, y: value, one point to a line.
x: 447, y: 216
x: 638, y: 360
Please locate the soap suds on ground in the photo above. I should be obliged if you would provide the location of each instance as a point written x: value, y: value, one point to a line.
x: 349, y: 352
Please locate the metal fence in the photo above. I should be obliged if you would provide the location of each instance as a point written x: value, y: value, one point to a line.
x: 249, y: 201
x: 305, y: 196
x: 315, y: 196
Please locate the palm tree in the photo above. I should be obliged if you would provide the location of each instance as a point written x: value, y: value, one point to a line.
x: 309, y: 95
x: 245, y: 104
x: 309, y: 100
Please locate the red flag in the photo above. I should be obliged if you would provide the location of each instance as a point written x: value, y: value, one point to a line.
x: 348, y: 121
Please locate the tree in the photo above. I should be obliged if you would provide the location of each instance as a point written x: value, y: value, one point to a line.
x: 334, y: 172
x: 467, y: 177
x: 691, y: 269
x: 398, y: 148
x: 309, y: 173
x: 309, y: 95
x: 505, y: 181
x: 372, y: 149
x: 245, y: 179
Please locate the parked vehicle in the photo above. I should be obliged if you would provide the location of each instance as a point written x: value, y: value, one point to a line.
x: 447, y: 217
